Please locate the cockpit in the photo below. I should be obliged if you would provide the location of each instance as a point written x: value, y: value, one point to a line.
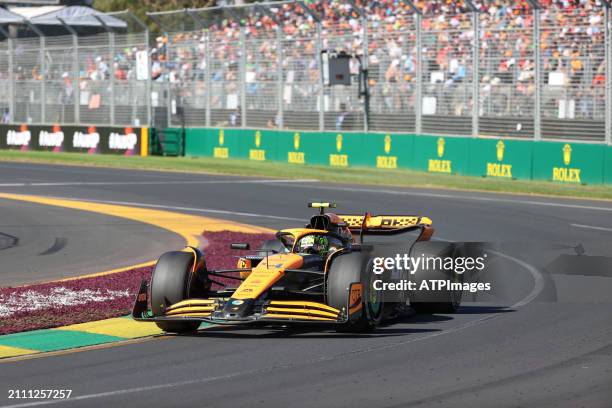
x: 317, y: 242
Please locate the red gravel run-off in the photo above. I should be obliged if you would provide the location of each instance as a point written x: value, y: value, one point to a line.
x: 218, y: 256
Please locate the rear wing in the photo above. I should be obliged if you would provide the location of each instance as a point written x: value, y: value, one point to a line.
x: 368, y: 224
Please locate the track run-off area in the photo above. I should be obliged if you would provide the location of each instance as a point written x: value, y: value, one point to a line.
x: 544, y: 339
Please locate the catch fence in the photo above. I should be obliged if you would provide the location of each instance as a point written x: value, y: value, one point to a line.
x: 517, y: 69
x: 81, y: 76
x: 507, y: 68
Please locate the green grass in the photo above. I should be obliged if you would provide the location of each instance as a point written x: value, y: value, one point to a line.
x: 406, y: 178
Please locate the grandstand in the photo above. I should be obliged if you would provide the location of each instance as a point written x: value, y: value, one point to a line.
x: 525, y: 68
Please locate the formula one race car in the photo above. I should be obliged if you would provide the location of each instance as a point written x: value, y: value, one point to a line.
x: 318, y: 274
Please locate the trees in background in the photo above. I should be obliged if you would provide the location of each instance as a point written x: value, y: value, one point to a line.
x: 140, y: 7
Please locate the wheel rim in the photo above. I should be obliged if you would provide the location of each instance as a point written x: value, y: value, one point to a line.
x: 374, y: 305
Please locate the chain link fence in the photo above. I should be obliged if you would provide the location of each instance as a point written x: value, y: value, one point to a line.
x: 472, y: 67
x: 94, y: 76
x: 506, y: 72
x: 573, y: 73
x: 393, y: 72
x: 515, y: 69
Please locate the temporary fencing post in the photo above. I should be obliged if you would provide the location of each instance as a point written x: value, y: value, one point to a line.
x: 208, y: 78
x: 243, y: 58
x: 418, y: 106
x: 475, y: 70
x: 537, y: 116
x: 321, y: 85
x: 608, y: 68
x: 11, y: 75
x: 75, y: 70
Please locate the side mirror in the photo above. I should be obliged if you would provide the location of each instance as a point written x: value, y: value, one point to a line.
x: 242, y: 246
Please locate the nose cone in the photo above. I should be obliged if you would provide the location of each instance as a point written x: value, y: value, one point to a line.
x: 236, y: 309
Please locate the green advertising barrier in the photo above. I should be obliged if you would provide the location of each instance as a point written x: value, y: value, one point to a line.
x: 290, y: 148
x: 168, y: 142
x: 306, y: 147
x: 256, y: 145
x: 230, y: 143
x: 437, y: 154
x: 199, y: 142
x: 331, y: 149
x: 296, y: 147
x: 389, y: 151
x: 579, y: 163
x: 497, y: 158
x: 608, y: 166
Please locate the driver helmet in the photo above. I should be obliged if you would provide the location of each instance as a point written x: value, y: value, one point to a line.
x: 315, y: 244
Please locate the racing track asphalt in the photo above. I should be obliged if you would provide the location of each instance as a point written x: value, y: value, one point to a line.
x: 42, y: 243
x: 552, y: 347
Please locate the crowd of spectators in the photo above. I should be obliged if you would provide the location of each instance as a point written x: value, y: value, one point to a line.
x: 571, y: 48
x: 63, y: 69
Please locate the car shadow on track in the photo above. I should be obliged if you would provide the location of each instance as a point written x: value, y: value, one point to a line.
x: 467, y: 309
x: 309, y: 333
x: 301, y: 332
x: 393, y: 328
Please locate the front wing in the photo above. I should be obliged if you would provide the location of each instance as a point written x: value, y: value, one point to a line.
x: 268, y: 311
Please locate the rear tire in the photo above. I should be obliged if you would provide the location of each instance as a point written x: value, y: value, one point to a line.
x: 345, y: 270
x: 438, y: 301
x: 172, y: 282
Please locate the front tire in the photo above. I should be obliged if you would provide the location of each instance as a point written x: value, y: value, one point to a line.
x: 345, y: 270
x: 172, y: 281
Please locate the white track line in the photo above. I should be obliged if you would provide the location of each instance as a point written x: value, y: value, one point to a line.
x: 327, y: 188
x: 591, y: 227
x: 538, y: 279
x: 535, y: 274
x: 538, y: 286
x: 190, y: 209
x: 457, y: 197
x: 136, y: 183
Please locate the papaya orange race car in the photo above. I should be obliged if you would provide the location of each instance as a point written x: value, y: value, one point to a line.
x: 317, y: 274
